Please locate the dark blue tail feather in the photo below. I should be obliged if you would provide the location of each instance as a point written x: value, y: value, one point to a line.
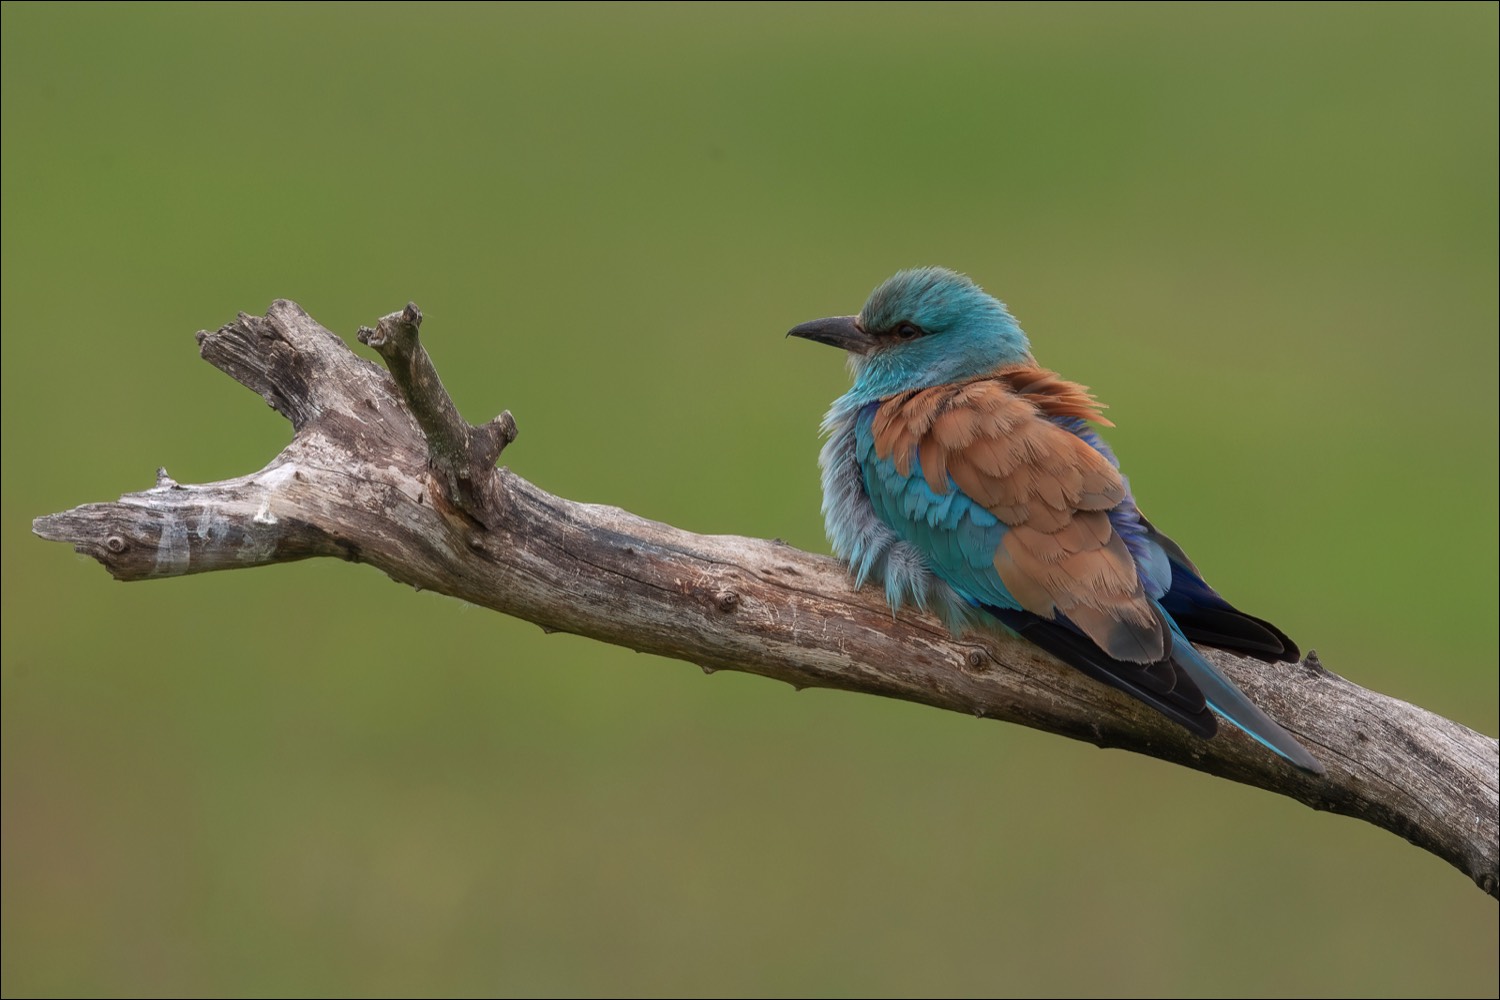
x: 1184, y: 687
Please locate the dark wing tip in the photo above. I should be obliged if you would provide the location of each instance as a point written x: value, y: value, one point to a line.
x: 1230, y: 628
x: 1162, y: 685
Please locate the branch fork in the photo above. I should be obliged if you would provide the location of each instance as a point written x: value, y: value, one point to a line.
x: 383, y: 469
x: 461, y: 455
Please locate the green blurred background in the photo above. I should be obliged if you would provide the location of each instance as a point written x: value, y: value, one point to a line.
x: 1266, y: 236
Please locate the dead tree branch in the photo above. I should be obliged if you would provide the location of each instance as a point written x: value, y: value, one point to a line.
x: 382, y: 469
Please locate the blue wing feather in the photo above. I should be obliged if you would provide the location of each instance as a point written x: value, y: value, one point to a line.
x: 957, y: 535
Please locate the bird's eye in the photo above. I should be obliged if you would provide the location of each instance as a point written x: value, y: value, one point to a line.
x: 907, y: 331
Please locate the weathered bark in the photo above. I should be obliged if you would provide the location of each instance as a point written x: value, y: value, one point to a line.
x: 385, y: 471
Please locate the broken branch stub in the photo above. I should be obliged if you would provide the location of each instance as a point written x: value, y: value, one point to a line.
x: 460, y: 454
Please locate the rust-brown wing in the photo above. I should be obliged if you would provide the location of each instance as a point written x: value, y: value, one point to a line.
x: 1060, y: 553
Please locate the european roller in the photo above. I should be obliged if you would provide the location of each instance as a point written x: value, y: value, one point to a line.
x: 967, y: 479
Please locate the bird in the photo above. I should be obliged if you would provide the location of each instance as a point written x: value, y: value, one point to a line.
x: 970, y: 481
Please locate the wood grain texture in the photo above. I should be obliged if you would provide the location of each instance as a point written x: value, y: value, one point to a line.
x: 366, y: 480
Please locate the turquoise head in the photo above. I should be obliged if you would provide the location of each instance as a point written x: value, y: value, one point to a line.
x: 922, y: 327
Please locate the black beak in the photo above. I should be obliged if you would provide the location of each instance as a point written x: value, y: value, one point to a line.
x: 836, y: 331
